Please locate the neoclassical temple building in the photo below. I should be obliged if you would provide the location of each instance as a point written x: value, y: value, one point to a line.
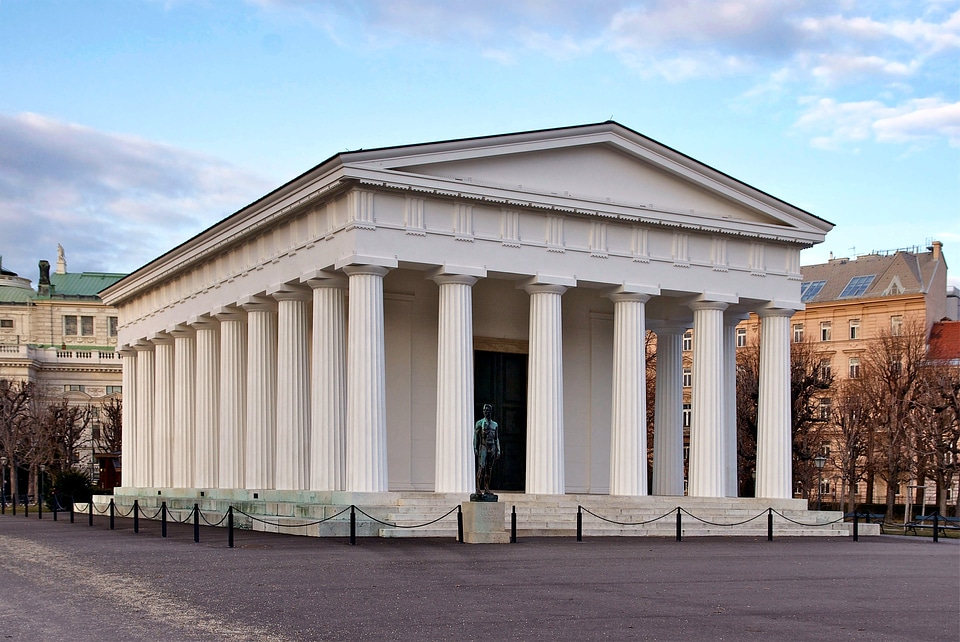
x: 342, y: 332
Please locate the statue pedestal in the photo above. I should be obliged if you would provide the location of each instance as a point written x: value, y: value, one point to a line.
x: 483, y: 523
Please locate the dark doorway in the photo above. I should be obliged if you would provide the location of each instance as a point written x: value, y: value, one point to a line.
x: 500, y: 379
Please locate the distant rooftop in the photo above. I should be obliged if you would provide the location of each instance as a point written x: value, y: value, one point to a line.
x: 15, y: 289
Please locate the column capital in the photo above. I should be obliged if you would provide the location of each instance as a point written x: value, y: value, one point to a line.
x: 633, y: 289
x: 289, y: 292
x: 734, y: 318
x: 461, y: 279
x: 616, y: 297
x: 181, y: 330
x: 258, y: 302
x: 775, y: 312
x: 541, y: 283
x: 230, y: 313
x: 359, y: 269
x: 359, y: 260
x: 143, y: 345
x: 127, y: 351
x: 323, y: 279
x: 708, y: 305
x: 161, y: 338
x: 449, y: 270
x: 204, y: 322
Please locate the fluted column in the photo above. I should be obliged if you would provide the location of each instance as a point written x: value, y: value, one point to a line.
x: 328, y: 383
x: 366, y: 447
x: 128, y: 431
x: 730, y: 403
x: 628, y: 430
x: 455, y: 465
x: 293, y: 387
x: 208, y: 402
x: 261, y: 438
x: 163, y: 411
x: 774, y: 443
x: 184, y: 405
x: 668, y: 413
x: 707, y: 467
x: 146, y: 376
x: 233, y: 396
x: 545, y: 391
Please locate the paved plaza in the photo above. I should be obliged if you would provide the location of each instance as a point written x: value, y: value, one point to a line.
x: 63, y: 581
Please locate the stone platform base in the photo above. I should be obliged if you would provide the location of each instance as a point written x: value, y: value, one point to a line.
x: 483, y: 523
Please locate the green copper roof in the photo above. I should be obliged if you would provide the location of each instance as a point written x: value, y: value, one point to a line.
x: 10, y: 294
x: 82, y: 284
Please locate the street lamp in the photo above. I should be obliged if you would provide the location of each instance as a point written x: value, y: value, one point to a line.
x: 43, y: 470
x: 3, y: 484
x: 819, y: 461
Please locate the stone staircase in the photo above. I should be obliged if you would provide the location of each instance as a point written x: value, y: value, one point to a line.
x: 407, y: 514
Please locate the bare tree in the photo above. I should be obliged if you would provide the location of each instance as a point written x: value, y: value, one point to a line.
x: 936, y: 428
x: 850, y: 424
x: 111, y: 426
x: 15, y: 399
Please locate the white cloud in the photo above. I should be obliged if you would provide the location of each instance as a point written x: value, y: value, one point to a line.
x: 114, y: 202
x: 835, y: 124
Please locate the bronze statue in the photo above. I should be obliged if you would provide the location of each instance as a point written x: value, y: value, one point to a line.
x: 486, y: 445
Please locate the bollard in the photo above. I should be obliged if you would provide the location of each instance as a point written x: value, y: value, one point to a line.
x: 90, y: 510
x: 679, y: 527
x: 353, y: 526
x: 230, y: 527
x: 26, y: 509
x: 513, y: 525
x: 579, y: 523
x: 40, y: 507
x: 769, y: 524
x: 196, y: 523
x: 459, y: 525
x: 14, y: 504
x: 112, y: 511
x: 163, y: 519
x: 936, y: 525
x: 54, y: 509
x: 71, y: 510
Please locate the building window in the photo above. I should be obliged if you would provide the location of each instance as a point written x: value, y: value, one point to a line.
x: 825, y: 487
x: 686, y: 457
x: 826, y: 330
x: 72, y: 323
x: 688, y: 340
x: 95, y: 432
x: 896, y: 325
x: 856, y: 287
x: 686, y: 414
x: 810, y: 289
x: 825, y: 405
x: 86, y: 326
x: 6, y: 323
x: 854, y: 367
x: 114, y: 390
x: 825, y: 449
x: 112, y: 326
x: 687, y: 377
x: 798, y: 333
x: 854, y: 328
x: 825, y: 370
x: 74, y: 388
x: 70, y: 326
x: 741, y: 337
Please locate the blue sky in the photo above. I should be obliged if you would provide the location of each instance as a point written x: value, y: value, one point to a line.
x: 128, y: 126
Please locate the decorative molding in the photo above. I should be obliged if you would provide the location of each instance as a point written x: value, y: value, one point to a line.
x: 510, y: 228
x: 554, y: 235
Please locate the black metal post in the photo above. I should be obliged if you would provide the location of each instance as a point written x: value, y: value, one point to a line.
x: 459, y: 525
x: 13, y: 499
x: 936, y: 525
x: 196, y: 523
x: 26, y: 507
x: 230, y: 527
x: 579, y: 523
x: 54, y: 508
x: 856, y: 526
x: 513, y: 525
x: 679, y: 526
x: 90, y: 510
x: 163, y: 519
x: 3, y: 498
x: 113, y: 509
x: 71, y: 510
x: 769, y: 524
x: 136, y: 516
x: 353, y: 526
x: 40, y: 506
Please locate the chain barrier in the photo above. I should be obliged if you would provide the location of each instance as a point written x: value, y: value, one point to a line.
x: 207, y: 522
x: 793, y: 521
x: 709, y: 523
x: 280, y: 525
x: 611, y: 521
x: 434, y: 521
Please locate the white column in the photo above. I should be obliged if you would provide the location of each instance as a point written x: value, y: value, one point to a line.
x: 233, y: 396
x: 730, y: 322
x: 163, y: 412
x: 146, y: 373
x: 328, y: 383
x: 668, y: 413
x: 293, y: 387
x: 774, y: 443
x: 545, y: 391
x: 128, y: 431
x: 366, y: 447
x: 184, y: 405
x: 208, y: 402
x: 628, y: 429
x: 455, y: 465
x: 261, y: 437
x: 707, y: 472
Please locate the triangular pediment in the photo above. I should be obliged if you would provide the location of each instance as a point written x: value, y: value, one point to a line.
x: 587, y: 169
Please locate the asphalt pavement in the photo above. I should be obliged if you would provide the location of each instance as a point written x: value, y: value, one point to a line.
x: 63, y: 581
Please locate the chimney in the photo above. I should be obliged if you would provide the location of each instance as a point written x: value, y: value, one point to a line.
x: 937, y: 247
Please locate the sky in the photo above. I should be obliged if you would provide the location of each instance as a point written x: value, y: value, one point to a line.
x: 128, y: 126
